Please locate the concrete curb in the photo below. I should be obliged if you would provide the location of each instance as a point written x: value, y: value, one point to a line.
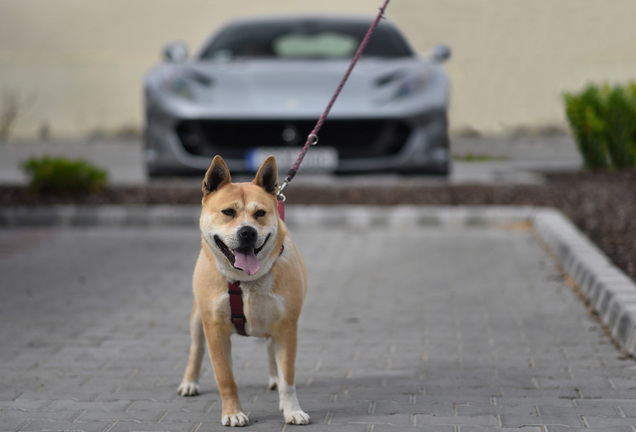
x: 611, y: 292
x: 188, y: 215
x: 115, y: 216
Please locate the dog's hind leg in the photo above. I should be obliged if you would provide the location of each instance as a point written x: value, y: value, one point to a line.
x: 273, y: 368
x: 190, y: 384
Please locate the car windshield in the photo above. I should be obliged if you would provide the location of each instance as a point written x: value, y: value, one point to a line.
x: 304, y: 39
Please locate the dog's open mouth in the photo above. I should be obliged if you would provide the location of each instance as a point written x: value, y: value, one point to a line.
x: 243, y: 258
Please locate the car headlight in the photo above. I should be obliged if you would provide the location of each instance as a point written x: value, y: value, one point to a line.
x: 411, y: 84
x: 178, y: 86
x: 402, y: 84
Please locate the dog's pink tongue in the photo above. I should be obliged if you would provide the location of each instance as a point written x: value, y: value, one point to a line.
x: 246, y: 261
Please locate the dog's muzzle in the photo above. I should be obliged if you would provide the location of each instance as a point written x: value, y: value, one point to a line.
x: 244, y: 257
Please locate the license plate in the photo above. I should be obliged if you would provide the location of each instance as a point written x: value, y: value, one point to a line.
x: 317, y: 159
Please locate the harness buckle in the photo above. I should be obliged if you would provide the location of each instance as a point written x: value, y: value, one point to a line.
x: 238, y: 319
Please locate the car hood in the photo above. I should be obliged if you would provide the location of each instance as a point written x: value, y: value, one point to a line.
x: 299, y: 89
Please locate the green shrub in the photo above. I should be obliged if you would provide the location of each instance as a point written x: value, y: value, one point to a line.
x: 584, y: 113
x: 58, y: 175
x: 620, y: 116
x: 630, y: 92
x: 603, y: 121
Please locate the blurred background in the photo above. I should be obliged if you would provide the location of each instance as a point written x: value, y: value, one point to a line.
x: 73, y: 68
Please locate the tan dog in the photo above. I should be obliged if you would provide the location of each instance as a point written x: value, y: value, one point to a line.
x: 242, y: 239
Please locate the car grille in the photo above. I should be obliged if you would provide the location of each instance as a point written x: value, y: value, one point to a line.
x: 353, y: 138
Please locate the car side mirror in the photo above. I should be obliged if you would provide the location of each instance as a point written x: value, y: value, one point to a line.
x: 175, y: 52
x: 440, y: 53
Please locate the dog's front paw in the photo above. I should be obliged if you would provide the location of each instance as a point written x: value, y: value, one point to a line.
x: 239, y: 419
x: 297, y: 418
x: 188, y: 389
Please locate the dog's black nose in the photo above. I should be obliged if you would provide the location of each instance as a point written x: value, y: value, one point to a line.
x: 247, y: 236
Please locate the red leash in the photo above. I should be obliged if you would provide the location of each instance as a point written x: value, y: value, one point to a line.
x: 234, y: 288
x: 312, y: 139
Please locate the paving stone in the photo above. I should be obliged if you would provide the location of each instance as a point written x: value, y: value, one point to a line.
x: 71, y: 405
x: 628, y: 409
x: 134, y: 426
x: 601, y: 422
x: 571, y: 420
x: 359, y: 427
x: 608, y: 410
x: 393, y: 428
x: 480, y: 429
x: 24, y: 405
x: 13, y: 424
x: 181, y: 404
x: 9, y: 394
x: 51, y: 425
x: 345, y: 417
x: 562, y: 428
x: 473, y: 409
x: 141, y: 416
x: 45, y: 415
x: 481, y: 420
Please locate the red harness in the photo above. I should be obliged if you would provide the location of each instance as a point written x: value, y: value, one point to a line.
x: 236, y: 304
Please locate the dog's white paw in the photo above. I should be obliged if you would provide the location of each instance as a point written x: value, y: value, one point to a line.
x: 239, y: 419
x: 297, y: 418
x: 188, y: 389
x: 273, y: 383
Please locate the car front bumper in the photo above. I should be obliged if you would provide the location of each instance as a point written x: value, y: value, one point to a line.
x: 419, y: 144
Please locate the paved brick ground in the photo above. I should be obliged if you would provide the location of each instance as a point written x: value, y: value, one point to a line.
x: 437, y: 329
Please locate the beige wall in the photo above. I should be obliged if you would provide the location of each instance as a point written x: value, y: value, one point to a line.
x: 77, y: 65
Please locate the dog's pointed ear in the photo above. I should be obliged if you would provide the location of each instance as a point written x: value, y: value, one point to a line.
x: 217, y: 176
x: 267, y: 176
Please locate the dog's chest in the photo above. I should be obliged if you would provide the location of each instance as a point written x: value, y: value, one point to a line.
x: 262, y: 307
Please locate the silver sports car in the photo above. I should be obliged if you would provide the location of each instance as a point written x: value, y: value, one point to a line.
x: 259, y: 85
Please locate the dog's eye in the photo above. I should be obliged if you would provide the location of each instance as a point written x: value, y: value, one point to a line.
x: 229, y: 212
x: 259, y: 213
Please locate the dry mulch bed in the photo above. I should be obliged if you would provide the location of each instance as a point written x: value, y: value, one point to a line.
x: 602, y: 205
